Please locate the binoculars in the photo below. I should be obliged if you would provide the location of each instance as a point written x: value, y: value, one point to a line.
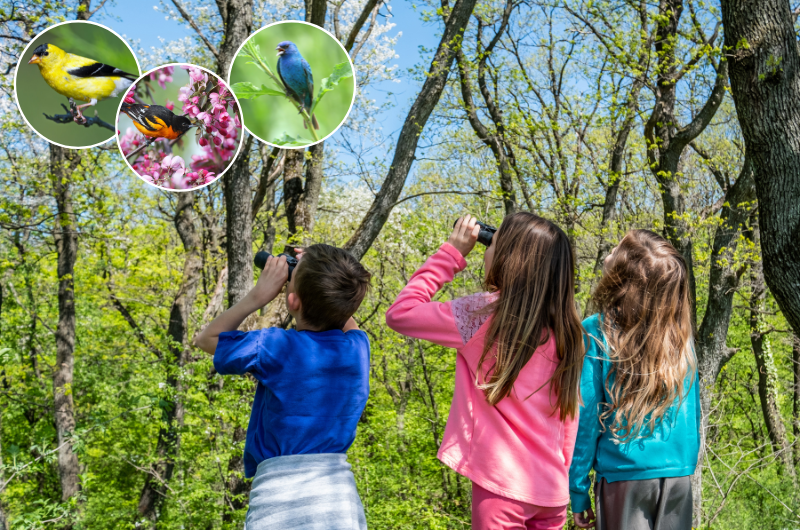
x: 260, y: 261
x: 486, y: 233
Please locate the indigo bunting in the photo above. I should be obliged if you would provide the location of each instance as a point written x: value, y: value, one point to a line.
x: 295, y: 73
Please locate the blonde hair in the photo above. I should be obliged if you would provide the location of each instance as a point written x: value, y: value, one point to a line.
x: 644, y: 299
x: 533, y: 271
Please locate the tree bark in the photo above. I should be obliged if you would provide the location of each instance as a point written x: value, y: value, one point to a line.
x: 239, y: 247
x: 316, y: 10
x: 62, y: 163
x: 155, y: 486
x: 293, y: 191
x: 239, y: 226
x: 237, y: 17
x: 413, y: 127
x: 301, y: 198
x: 765, y: 364
x: 765, y: 83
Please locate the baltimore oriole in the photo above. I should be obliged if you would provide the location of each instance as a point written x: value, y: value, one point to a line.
x: 156, y: 121
x: 78, y: 77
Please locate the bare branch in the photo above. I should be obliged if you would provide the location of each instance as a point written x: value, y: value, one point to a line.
x: 192, y: 23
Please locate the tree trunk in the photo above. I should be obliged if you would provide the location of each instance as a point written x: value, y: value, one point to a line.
x: 765, y: 83
x: 62, y: 163
x: 293, y: 192
x: 155, y: 486
x: 316, y: 11
x: 710, y: 343
x: 300, y: 198
x: 239, y: 226
x: 765, y: 364
x: 239, y: 239
x: 413, y: 127
x: 237, y: 17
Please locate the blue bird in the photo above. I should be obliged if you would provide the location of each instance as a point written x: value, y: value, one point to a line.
x: 295, y: 72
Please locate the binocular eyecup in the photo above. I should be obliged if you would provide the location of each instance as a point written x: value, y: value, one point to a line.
x: 486, y: 233
x: 260, y: 261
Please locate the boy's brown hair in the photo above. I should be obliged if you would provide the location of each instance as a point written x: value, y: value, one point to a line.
x: 331, y: 284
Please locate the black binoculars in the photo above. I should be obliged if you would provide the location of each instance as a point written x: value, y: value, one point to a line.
x: 260, y: 261
x: 486, y: 233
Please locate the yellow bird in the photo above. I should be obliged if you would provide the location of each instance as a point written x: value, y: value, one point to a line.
x: 78, y: 77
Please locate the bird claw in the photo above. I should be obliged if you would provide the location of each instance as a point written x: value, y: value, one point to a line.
x: 77, y: 116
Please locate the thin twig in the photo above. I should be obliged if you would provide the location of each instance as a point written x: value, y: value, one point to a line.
x: 195, y: 27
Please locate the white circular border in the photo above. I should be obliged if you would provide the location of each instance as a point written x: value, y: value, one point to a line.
x: 349, y: 59
x: 233, y: 159
x: 16, y: 72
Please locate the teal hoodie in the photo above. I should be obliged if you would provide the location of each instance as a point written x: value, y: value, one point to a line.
x: 670, y: 451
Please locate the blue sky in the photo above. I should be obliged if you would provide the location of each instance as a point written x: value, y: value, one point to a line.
x: 137, y: 20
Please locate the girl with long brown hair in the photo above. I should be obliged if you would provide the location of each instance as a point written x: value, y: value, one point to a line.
x: 640, y: 418
x: 512, y: 423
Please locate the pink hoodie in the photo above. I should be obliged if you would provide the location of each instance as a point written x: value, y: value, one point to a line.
x: 518, y: 449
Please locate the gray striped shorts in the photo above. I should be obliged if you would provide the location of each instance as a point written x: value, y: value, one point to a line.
x: 308, y: 492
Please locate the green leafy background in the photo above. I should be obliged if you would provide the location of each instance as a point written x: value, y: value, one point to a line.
x: 36, y: 97
x: 271, y: 117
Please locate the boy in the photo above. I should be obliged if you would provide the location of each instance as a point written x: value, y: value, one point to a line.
x: 313, y: 384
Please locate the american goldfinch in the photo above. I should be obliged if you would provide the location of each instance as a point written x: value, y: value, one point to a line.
x: 156, y: 121
x: 78, y: 77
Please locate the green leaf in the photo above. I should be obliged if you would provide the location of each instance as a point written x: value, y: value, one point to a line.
x: 289, y: 140
x: 340, y: 71
x: 248, y: 90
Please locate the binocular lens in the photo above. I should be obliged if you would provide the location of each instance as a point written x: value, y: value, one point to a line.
x: 260, y: 261
x: 486, y: 233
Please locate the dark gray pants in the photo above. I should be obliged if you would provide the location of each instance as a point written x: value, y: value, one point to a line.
x: 653, y: 504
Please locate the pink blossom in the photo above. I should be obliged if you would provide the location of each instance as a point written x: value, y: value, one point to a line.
x: 170, y: 105
x: 205, y: 117
x: 184, y: 93
x: 175, y: 164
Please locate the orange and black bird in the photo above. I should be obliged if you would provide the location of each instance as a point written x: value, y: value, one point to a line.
x: 156, y: 121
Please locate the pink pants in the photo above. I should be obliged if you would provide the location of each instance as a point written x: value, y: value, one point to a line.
x: 493, y: 512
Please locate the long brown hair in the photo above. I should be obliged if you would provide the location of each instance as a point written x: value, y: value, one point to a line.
x: 646, y: 307
x: 533, y: 270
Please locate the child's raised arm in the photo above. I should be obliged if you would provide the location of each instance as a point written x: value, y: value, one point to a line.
x: 413, y: 313
x: 269, y: 284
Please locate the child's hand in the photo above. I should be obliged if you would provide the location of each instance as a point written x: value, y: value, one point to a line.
x: 464, y: 235
x: 271, y: 281
x: 584, y: 521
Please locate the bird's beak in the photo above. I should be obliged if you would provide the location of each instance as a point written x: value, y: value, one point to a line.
x: 280, y: 51
x: 35, y: 60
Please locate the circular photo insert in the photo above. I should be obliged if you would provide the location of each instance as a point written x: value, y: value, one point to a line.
x: 179, y: 127
x: 295, y: 82
x: 70, y: 80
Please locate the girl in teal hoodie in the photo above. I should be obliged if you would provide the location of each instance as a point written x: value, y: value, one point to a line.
x: 639, y: 425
